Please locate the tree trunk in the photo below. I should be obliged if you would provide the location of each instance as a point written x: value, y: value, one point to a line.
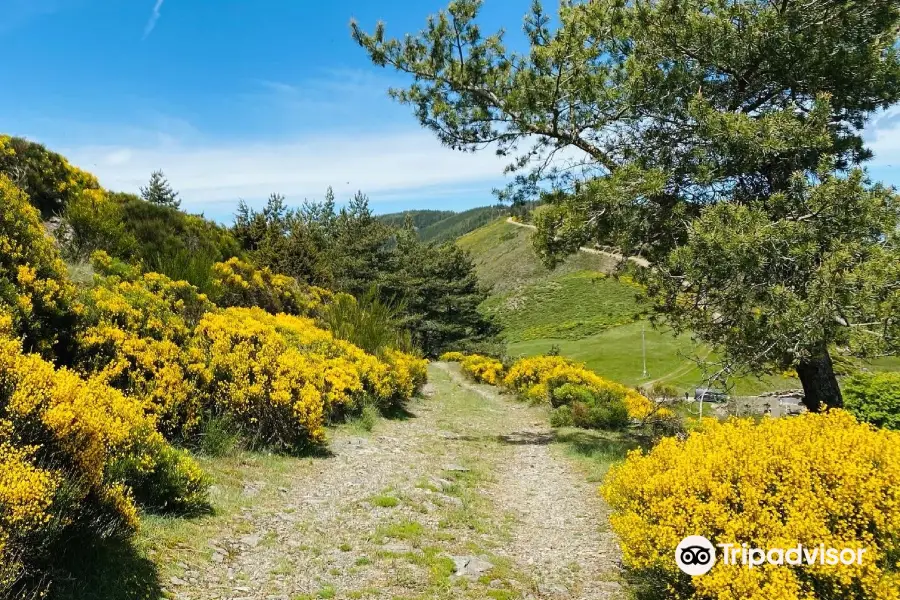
x: 820, y: 386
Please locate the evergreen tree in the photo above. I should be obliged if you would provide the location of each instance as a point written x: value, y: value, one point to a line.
x: 718, y: 139
x: 158, y: 191
x: 439, y: 293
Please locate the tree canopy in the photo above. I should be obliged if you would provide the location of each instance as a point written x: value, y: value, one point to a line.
x: 719, y: 139
x: 158, y: 191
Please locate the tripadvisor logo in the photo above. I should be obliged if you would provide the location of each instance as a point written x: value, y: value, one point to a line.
x: 696, y: 555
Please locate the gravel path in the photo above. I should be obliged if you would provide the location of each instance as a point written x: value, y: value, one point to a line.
x: 466, y: 498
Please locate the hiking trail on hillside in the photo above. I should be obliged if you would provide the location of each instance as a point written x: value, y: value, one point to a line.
x: 466, y: 497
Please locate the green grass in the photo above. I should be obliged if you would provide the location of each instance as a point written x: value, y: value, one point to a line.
x: 571, y: 306
x: 506, y: 261
x: 443, y: 226
x: 616, y: 354
x: 588, y: 317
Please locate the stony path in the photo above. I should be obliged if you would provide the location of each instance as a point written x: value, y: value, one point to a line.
x: 464, y: 499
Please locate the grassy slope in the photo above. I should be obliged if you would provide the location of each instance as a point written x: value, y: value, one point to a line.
x: 590, y: 318
x: 443, y: 225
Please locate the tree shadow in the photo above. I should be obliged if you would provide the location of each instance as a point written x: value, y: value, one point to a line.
x: 103, y: 569
x: 587, y: 442
x: 397, y: 412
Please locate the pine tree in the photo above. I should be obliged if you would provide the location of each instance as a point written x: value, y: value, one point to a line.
x: 720, y: 140
x: 158, y: 191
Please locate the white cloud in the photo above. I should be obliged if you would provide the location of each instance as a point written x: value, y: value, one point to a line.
x: 151, y: 24
x: 384, y: 165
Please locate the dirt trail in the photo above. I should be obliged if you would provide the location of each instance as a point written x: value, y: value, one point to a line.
x: 466, y: 498
x: 641, y: 262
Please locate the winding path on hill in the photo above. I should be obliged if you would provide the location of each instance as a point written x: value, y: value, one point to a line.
x: 641, y: 262
x: 467, y: 497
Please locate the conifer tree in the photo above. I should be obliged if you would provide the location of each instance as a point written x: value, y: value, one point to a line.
x: 158, y: 191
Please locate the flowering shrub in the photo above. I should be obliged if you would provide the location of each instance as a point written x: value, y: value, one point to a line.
x: 238, y: 283
x: 536, y: 379
x: 34, y: 287
x: 483, y: 369
x: 75, y: 452
x: 452, y: 357
x: 282, y: 377
x: 814, y: 479
x: 136, y: 334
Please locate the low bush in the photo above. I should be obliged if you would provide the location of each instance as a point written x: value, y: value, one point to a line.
x: 813, y: 479
x: 578, y: 396
x: 588, y: 408
x: 240, y: 284
x: 483, y: 369
x: 874, y: 398
x: 135, y: 335
x: 77, y: 455
x: 538, y: 379
x: 281, y: 377
x: 34, y: 286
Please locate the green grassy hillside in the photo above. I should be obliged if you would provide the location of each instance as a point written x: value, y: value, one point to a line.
x: 420, y: 218
x: 443, y: 225
x: 588, y: 315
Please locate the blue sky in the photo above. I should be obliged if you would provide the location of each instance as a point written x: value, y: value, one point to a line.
x: 237, y: 99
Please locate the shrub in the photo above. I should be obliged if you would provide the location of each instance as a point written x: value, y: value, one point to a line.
x: 135, y: 336
x: 537, y: 378
x: 562, y: 417
x: 483, y: 369
x: 76, y: 454
x: 814, y: 479
x: 874, y: 398
x: 369, y: 323
x: 34, y: 285
x: 46, y: 177
x: 452, y: 357
x: 239, y: 284
x: 590, y: 409
x: 92, y: 221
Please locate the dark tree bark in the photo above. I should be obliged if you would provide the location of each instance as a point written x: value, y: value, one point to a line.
x: 820, y: 385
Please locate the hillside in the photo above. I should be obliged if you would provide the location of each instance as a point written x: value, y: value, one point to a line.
x: 443, y: 226
x: 583, y: 312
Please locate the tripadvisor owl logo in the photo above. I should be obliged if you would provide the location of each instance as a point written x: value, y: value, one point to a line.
x: 695, y: 555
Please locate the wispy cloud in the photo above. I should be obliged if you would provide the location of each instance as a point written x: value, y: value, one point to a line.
x: 386, y: 165
x: 151, y: 24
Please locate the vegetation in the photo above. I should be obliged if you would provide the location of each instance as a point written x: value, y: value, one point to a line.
x: 814, y: 479
x: 743, y: 125
x: 98, y: 380
x: 588, y: 399
x: 445, y: 226
x: 45, y: 177
x: 874, y: 398
x: 159, y: 192
x: 433, y: 290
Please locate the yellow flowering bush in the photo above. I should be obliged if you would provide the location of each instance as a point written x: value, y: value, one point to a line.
x: 34, y: 286
x: 136, y: 335
x: 282, y: 377
x: 452, y: 357
x: 238, y: 283
x: 536, y: 378
x: 77, y: 453
x: 483, y: 369
x: 813, y: 479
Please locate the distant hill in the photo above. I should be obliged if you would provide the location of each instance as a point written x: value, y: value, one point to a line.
x: 420, y: 218
x: 444, y: 226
